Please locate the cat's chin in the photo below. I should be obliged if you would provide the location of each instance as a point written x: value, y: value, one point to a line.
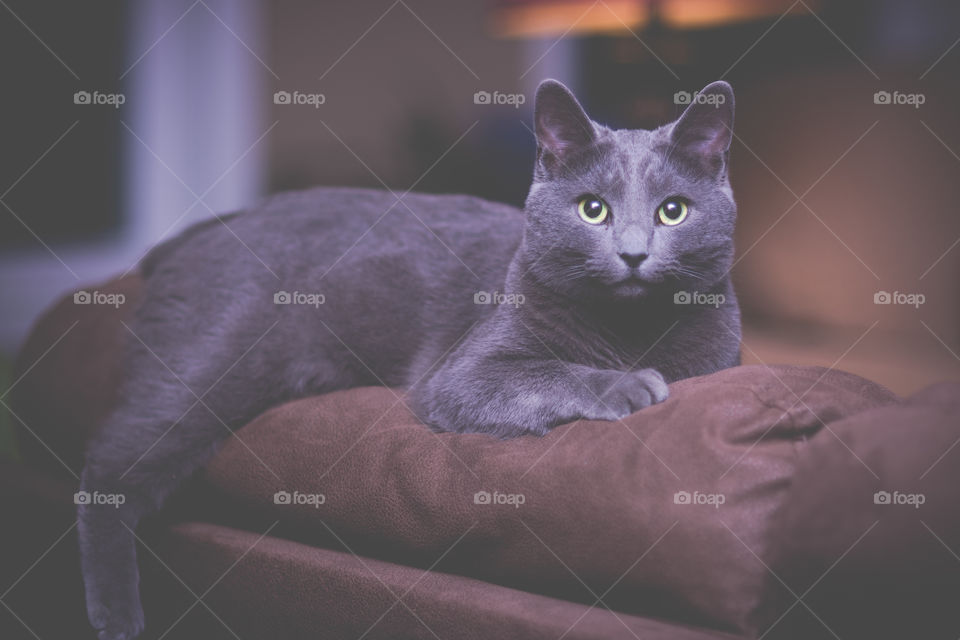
x: 631, y: 288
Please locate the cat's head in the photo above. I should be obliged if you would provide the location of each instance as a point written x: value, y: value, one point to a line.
x: 625, y: 214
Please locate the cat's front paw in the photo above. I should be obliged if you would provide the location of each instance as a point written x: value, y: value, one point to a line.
x: 624, y: 393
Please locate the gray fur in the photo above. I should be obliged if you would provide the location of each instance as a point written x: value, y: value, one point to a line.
x: 399, y: 282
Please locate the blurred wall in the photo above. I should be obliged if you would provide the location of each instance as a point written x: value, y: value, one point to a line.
x: 878, y: 219
x: 383, y: 68
x: 89, y: 188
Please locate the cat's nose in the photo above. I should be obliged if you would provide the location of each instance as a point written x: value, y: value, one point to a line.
x: 633, y: 260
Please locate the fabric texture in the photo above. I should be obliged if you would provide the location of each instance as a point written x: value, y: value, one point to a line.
x: 629, y: 509
x: 869, y: 531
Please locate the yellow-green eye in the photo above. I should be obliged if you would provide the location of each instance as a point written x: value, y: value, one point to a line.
x: 672, y: 212
x: 593, y: 209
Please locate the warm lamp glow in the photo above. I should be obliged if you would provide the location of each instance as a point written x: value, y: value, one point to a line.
x: 533, y: 18
x: 538, y: 18
x: 709, y: 13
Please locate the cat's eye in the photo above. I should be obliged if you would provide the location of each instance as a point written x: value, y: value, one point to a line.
x: 672, y: 212
x: 593, y: 209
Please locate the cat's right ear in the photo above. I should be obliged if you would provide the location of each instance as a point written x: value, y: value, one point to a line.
x: 562, y: 126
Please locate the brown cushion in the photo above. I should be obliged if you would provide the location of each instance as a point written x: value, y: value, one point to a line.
x: 283, y: 589
x: 66, y: 376
x: 263, y: 587
x: 599, y: 515
x: 869, y: 530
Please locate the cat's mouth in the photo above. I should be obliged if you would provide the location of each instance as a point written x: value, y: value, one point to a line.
x: 632, y: 286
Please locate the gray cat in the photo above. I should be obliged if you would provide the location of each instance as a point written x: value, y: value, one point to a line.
x: 612, y: 282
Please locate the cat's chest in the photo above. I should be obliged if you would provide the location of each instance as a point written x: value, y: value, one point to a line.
x: 596, y: 346
x: 678, y: 347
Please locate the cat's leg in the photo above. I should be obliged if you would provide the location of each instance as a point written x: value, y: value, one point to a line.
x: 507, y: 396
x: 135, y: 463
x: 158, y: 436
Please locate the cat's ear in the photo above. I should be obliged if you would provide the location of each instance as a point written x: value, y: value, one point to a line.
x: 562, y: 126
x: 704, y: 131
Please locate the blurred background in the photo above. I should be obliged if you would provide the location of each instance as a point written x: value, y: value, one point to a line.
x: 125, y: 122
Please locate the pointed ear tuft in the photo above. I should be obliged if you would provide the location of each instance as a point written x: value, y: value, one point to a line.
x: 704, y: 132
x: 562, y: 126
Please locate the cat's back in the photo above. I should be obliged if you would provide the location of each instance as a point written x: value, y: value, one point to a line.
x: 326, y: 225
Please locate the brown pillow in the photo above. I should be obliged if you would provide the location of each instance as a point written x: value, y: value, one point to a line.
x: 590, y: 512
x: 869, y: 531
x: 66, y: 376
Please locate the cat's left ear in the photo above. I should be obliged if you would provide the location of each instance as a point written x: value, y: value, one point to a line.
x: 704, y: 131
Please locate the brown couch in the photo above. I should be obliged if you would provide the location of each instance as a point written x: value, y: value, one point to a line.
x: 758, y: 502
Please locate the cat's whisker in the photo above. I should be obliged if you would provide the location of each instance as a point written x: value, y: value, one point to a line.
x: 570, y: 273
x: 693, y: 273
